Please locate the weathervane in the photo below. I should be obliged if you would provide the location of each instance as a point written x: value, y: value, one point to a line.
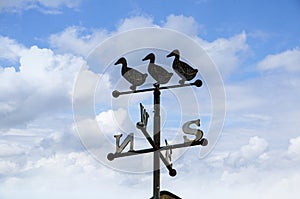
x: 161, y: 76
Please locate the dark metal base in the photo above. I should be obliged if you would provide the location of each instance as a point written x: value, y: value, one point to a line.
x: 167, y: 195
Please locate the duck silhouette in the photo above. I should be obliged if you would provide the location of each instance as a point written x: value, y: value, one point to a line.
x: 185, y: 71
x: 158, y: 73
x: 133, y: 76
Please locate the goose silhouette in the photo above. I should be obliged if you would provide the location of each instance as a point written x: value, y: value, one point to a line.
x: 185, y: 71
x: 133, y: 76
x: 158, y: 73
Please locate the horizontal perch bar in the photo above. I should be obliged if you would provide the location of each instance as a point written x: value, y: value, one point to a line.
x: 117, y: 93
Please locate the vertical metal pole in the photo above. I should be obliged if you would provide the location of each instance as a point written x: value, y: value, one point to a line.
x: 156, y: 138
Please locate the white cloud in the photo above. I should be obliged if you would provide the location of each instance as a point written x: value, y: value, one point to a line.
x: 253, y: 171
x: 46, y: 6
x: 10, y: 49
x: 263, y: 105
x: 254, y: 179
x: 11, y: 149
x: 77, y: 40
x: 247, y: 98
x: 288, y: 60
x: 226, y: 53
x: 44, y: 83
x: 86, y: 83
x: 294, y: 148
x: 80, y: 41
x: 69, y: 175
x: 248, y: 153
x: 59, y: 3
x: 111, y: 121
x: 135, y: 22
x: 183, y: 24
x: 63, y: 141
x: 7, y: 168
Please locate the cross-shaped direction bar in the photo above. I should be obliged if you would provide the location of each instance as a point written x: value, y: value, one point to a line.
x: 202, y: 142
x: 155, y: 142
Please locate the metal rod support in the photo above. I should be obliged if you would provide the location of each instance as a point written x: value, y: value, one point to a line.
x: 117, y: 93
x: 202, y: 142
x: 156, y: 139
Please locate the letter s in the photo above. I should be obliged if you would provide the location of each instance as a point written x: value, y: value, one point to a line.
x: 191, y: 131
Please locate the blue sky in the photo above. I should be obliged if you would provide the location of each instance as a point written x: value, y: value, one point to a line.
x: 275, y: 18
x: 43, y: 45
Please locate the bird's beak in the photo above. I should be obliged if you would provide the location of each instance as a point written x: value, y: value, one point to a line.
x: 170, y: 55
x: 146, y: 58
x: 118, y: 62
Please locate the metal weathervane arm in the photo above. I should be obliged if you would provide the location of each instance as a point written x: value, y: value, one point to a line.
x: 116, y: 93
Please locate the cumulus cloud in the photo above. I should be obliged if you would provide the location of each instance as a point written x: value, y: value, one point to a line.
x: 51, y: 7
x: 252, y: 171
x: 7, y: 168
x: 183, y: 24
x: 43, y: 83
x: 10, y: 49
x: 11, y: 149
x: 294, y: 148
x: 80, y: 41
x: 288, y: 61
x: 250, y: 152
x: 111, y: 121
x: 135, y: 22
x: 84, y: 87
x: 227, y: 53
x: 264, y: 105
x: 62, y: 141
x: 247, y: 98
x: 87, y: 175
x: 77, y: 40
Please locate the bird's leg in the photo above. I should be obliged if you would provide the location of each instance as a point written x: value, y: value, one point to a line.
x: 133, y: 87
x: 182, y: 81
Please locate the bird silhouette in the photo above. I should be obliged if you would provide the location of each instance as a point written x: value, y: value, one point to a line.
x: 133, y: 76
x: 158, y: 73
x: 185, y: 71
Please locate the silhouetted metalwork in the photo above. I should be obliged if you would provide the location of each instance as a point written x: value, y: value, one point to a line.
x: 167, y: 195
x: 196, y: 132
x: 161, y: 75
x: 133, y: 76
x: 185, y: 71
x: 202, y: 142
x: 168, y: 154
x: 117, y: 93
